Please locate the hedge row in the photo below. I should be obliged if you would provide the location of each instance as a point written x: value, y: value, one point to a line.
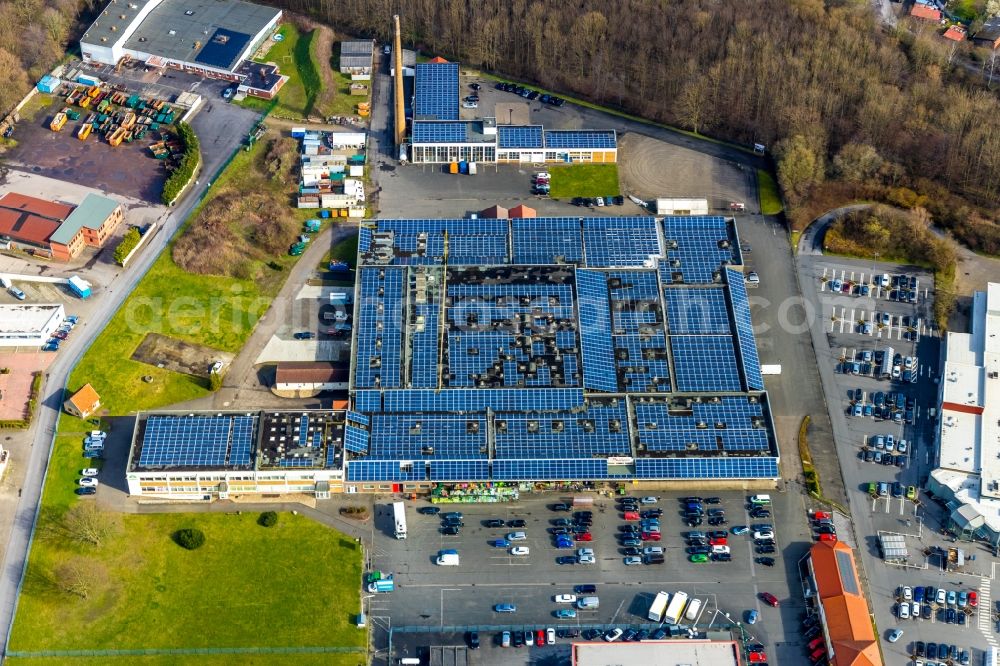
x: 128, y: 244
x: 25, y: 423
x: 185, y: 170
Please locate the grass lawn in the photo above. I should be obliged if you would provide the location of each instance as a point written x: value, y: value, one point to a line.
x: 584, y: 180
x: 302, y: 659
x: 292, y: 585
x: 219, y: 312
x: 767, y: 190
x: 293, y: 55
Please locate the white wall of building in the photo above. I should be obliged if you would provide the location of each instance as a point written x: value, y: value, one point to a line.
x: 29, y: 325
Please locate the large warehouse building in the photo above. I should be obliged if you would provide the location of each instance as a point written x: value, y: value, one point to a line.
x: 967, y: 474
x: 438, y: 135
x: 555, y: 349
x: 206, y: 37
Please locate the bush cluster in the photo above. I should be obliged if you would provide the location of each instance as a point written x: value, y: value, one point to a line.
x: 185, y: 170
x: 268, y: 519
x: 189, y: 538
x: 128, y: 243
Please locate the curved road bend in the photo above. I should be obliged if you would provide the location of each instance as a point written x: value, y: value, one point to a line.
x: 16, y: 552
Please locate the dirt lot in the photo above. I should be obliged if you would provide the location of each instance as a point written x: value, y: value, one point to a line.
x: 16, y: 386
x: 128, y: 169
x: 178, y: 356
x: 650, y: 168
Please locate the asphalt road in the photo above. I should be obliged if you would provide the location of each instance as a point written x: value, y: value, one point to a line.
x: 18, y: 545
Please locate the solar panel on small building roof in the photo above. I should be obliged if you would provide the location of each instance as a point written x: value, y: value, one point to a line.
x: 436, y: 94
x: 439, y: 131
x: 223, y: 48
x: 581, y: 139
x: 519, y: 136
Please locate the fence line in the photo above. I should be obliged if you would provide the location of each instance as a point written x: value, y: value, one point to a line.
x: 36, y: 654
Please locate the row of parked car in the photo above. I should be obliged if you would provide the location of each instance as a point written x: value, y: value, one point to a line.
x: 634, y: 538
x: 60, y: 334
x: 93, y: 449
x: 530, y: 95
x: 897, y: 287
x: 598, y: 202
x: 942, y: 651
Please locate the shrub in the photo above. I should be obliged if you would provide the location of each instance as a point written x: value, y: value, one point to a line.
x: 130, y: 240
x: 188, y: 165
x: 189, y: 538
x: 268, y: 519
x: 214, y: 381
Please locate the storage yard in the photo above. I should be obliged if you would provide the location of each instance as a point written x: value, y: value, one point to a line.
x: 102, y: 136
x: 332, y: 165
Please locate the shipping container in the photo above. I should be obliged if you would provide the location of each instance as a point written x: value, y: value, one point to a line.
x: 88, y: 80
x: 79, y: 287
x: 298, y: 132
x: 48, y: 84
x: 58, y: 122
x: 463, y: 167
x: 453, y: 167
x: 84, y: 131
x: 472, y: 169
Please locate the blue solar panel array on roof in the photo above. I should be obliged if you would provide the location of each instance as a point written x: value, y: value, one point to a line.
x: 744, y: 330
x: 436, y: 91
x: 705, y: 363
x: 519, y: 136
x: 223, y: 49
x: 707, y: 468
x: 595, y: 323
x: 197, y: 441
x: 547, y: 240
x: 620, y: 241
x: 580, y: 139
x: 439, y: 131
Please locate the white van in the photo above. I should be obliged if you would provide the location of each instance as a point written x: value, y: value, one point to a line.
x: 447, y: 558
x: 409, y: 661
x: 692, y: 611
x: 760, y: 499
x: 588, y: 603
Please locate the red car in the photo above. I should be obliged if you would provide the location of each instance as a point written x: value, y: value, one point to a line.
x: 769, y: 599
x: 821, y: 515
x: 758, y: 657
x: 631, y: 515
x: 650, y: 536
x: 827, y: 537
x: 973, y: 598
x: 540, y: 637
x: 585, y: 536
x: 719, y: 541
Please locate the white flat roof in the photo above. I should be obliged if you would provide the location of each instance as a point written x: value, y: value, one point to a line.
x: 966, y: 488
x: 657, y: 653
x: 27, y: 318
x: 969, y: 437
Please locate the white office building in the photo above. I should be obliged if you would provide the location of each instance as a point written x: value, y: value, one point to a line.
x: 29, y: 325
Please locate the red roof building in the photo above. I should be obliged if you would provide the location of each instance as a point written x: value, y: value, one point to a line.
x: 925, y: 12
x: 521, y: 210
x: 30, y: 221
x: 494, y: 213
x: 844, y: 608
x: 437, y: 60
x: 955, y: 33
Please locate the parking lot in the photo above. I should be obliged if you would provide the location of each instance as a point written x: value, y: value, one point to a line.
x: 897, y: 403
x: 429, y: 596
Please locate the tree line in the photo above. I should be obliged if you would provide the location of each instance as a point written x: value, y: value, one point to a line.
x: 834, y: 96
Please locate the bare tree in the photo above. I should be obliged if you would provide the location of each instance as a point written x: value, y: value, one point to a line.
x: 79, y: 576
x: 87, y: 524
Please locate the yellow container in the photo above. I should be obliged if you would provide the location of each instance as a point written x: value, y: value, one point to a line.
x: 453, y: 167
